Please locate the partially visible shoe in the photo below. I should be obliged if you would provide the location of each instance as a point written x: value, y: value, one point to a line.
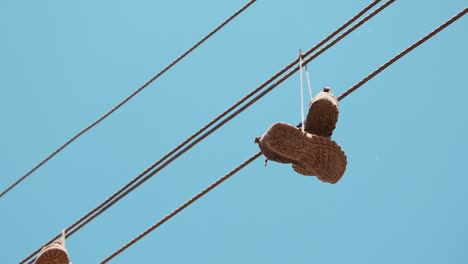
x: 311, y: 155
x: 54, y: 253
x: 280, y: 145
x: 323, y: 114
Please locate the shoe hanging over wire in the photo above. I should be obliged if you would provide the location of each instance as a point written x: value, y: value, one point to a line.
x: 309, y: 147
x: 55, y: 253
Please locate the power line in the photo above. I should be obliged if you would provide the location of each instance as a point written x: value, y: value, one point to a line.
x: 255, y: 156
x: 141, y: 178
x: 404, y: 52
x: 141, y: 88
x: 185, y: 205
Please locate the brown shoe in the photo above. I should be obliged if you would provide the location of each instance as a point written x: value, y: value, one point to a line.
x: 54, y: 253
x: 311, y: 155
x: 323, y: 114
x: 280, y: 145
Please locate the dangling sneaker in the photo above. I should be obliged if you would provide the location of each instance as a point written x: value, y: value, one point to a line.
x: 323, y: 114
x: 280, y: 145
x: 311, y: 155
x: 54, y: 253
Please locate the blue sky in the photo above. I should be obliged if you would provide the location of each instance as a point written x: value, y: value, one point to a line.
x: 402, y: 198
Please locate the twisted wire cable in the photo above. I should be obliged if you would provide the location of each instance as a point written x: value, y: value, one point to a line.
x: 255, y: 156
x: 144, y: 176
x: 115, y: 108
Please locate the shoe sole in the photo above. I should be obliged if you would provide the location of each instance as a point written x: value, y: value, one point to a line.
x: 310, y: 155
x: 322, y: 117
x: 53, y: 256
x: 280, y: 145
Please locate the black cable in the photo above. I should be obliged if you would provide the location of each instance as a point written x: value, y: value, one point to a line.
x: 99, y: 120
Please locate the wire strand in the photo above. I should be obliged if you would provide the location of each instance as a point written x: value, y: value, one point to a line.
x: 141, y: 88
x: 185, y: 205
x: 308, y: 81
x: 404, y: 52
x: 255, y: 156
x: 128, y: 188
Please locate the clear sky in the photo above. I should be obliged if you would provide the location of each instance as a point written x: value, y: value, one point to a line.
x: 403, y: 198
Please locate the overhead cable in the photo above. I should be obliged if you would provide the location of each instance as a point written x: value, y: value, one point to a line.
x: 141, y: 88
x: 185, y: 205
x: 152, y: 170
x: 404, y: 52
x: 255, y: 156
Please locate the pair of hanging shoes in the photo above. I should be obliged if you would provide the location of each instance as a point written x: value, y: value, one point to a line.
x: 54, y: 253
x: 312, y: 152
x: 311, y: 155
